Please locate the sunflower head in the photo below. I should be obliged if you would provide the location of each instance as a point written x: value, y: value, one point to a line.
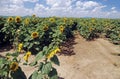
x: 18, y: 19
x: 20, y: 46
x: 13, y: 66
x: 34, y: 35
x: 8, y: 57
x: 57, y: 50
x: 61, y: 28
x: 10, y: 19
x: 93, y: 20
x: 28, y: 54
x: 33, y: 15
x: 52, y: 53
x: 26, y: 21
x: 91, y: 29
x: 71, y: 21
x: 64, y: 20
x: 52, y: 20
x: 45, y: 27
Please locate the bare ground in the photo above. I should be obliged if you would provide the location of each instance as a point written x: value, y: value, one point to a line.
x: 98, y: 59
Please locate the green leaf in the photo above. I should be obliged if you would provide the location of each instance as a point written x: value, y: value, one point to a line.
x: 53, y: 74
x: 45, y: 48
x: 46, y: 68
x: 3, y: 73
x: 34, y: 75
x: 33, y: 63
x: 30, y: 46
x: 54, y: 77
x: 26, y: 39
x: 25, y: 63
x: 40, y: 76
x: 15, y: 54
x: 55, y: 60
x: 37, y: 49
x: 26, y: 44
x: 37, y: 43
x: 19, y: 74
x: 39, y: 56
x: 40, y: 66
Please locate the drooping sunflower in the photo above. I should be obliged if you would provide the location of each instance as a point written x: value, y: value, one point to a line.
x: 26, y: 21
x: 20, y: 46
x: 13, y: 66
x: 27, y: 55
x: 52, y: 53
x: 34, y: 35
x: 17, y: 19
x: 10, y: 19
x: 52, y: 20
x: 61, y: 28
x: 57, y: 50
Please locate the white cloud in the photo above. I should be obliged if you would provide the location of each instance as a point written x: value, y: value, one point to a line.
x: 113, y: 8
x: 83, y: 5
x: 71, y: 8
x: 98, y: 8
x: 52, y: 2
x: 14, y: 8
x: 59, y: 3
x: 31, y: 0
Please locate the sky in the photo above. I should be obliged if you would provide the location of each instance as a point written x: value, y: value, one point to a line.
x: 61, y: 8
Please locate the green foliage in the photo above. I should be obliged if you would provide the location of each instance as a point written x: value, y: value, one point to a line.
x: 91, y: 28
x: 9, y: 67
x: 42, y: 37
x: 45, y: 69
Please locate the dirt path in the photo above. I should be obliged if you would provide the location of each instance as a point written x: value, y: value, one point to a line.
x: 92, y: 60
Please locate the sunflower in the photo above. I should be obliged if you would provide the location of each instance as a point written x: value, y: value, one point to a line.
x: 71, y: 21
x: 10, y: 19
x: 20, y: 46
x: 8, y: 57
x: 61, y: 28
x: 34, y: 34
x: 13, y: 66
x: 52, y: 20
x: 27, y: 55
x: 64, y: 20
x: 45, y: 28
x: 57, y: 50
x: 52, y: 53
x: 26, y: 21
x: 33, y: 15
x: 91, y: 29
x: 18, y: 19
x: 93, y: 20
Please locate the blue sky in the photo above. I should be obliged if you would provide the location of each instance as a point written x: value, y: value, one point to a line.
x: 61, y: 8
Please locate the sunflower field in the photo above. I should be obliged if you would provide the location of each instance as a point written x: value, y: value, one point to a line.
x: 43, y: 37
